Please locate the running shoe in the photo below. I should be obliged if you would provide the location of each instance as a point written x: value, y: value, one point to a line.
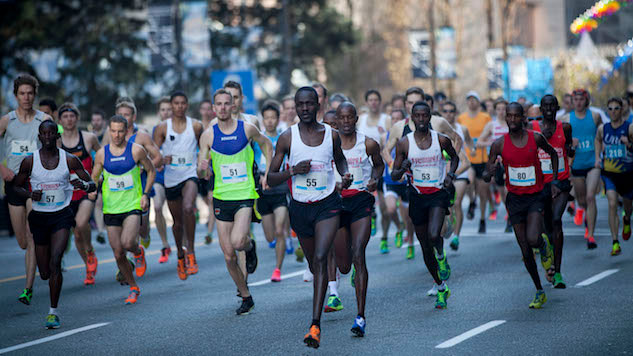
x: 334, y: 304
x: 246, y: 306
x: 289, y: 246
x: 493, y: 215
x: 586, y: 232
x: 91, y: 261
x: 52, y: 321
x: 299, y: 254
x: 433, y: 291
x: 359, y: 326
x: 497, y: 197
x: 578, y: 217
x: 272, y: 244
x: 626, y: 228
x: 139, y: 261
x: 482, y: 226
x: 539, y: 299
x: 454, y: 243
x: 591, y: 243
x: 549, y: 275
x: 571, y: 209
x: 192, y: 264
x: 450, y: 227
x: 101, y: 238
x: 164, y: 255
x: 384, y: 247
x: 133, y: 297
x: 471, y: 211
x: 558, y: 281
x: 251, y: 258
x: 616, y: 250
x: 508, y: 227
x: 352, y: 277
x: 208, y: 238
x: 145, y: 241
x: 442, y: 296
x: 547, y: 255
x: 26, y: 296
x: 276, y: 277
x: 307, y: 275
x: 399, y: 239
x: 119, y: 276
x: 373, y: 225
x: 443, y: 268
x: 410, y: 252
x: 90, y: 278
x: 313, y: 337
x: 182, y: 268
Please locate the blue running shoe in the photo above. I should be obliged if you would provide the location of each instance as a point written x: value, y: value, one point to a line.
x: 290, y: 249
x: 359, y: 326
x: 273, y: 243
x: 52, y: 321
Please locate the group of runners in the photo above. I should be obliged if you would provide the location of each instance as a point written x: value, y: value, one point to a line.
x: 313, y: 168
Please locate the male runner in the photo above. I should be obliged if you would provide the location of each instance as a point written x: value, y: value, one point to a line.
x: 164, y: 113
x: 518, y: 150
x: 98, y: 123
x: 289, y: 113
x: 81, y: 144
x: 49, y: 107
x: 179, y: 138
x: 205, y: 186
x: 238, y: 113
x: 124, y: 198
x: 48, y: 170
x: 568, y: 106
x: 614, y: 142
x: 19, y: 131
x: 420, y: 155
x: 227, y: 143
x: 559, y: 136
x: 98, y: 126
x: 323, y: 102
x: 315, y: 206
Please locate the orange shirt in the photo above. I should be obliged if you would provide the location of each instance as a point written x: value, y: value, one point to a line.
x: 475, y: 126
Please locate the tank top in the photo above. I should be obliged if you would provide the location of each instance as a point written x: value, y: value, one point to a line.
x: 20, y: 139
x: 320, y: 182
x: 79, y: 150
x: 182, y: 147
x: 54, y: 184
x: 617, y: 158
x: 121, y: 187
x: 498, y: 130
x: 359, y: 166
x: 522, y: 166
x: 475, y: 126
x: 585, y: 131
x: 558, y: 142
x: 232, y: 161
x: 373, y: 132
x: 428, y: 166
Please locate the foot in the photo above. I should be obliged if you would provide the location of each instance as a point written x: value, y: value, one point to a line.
x: 493, y: 215
x: 482, y: 226
x: 433, y: 291
x: 192, y: 264
x: 91, y: 261
x: 442, y: 296
x: 410, y: 252
x: 307, y: 275
x: 52, y: 321
x: 546, y: 252
x: 578, y: 217
x: 164, y: 255
x: 251, y: 258
x: 539, y: 299
x: 497, y: 198
x: 591, y: 243
x: 359, y: 326
x: 399, y: 239
x: 182, y: 268
x: 373, y: 226
x: 90, y: 279
x: 208, y: 238
x: 454, y: 243
x: 508, y: 227
x: 615, y: 249
x: 299, y: 254
x: 558, y: 281
x: 246, y: 306
x: 384, y: 247
x: 26, y: 296
x: 313, y: 337
x: 133, y: 297
x: 549, y: 275
x: 101, y: 238
x: 276, y: 277
x: 272, y: 244
x: 289, y: 247
x: 139, y: 261
x: 443, y: 268
x: 334, y: 304
x: 626, y: 228
x: 471, y: 211
x: 119, y: 276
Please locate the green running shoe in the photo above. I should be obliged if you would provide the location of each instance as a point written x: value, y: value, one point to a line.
x: 558, y: 281
x: 334, y: 304
x: 539, y: 299
x: 399, y: 239
x: 442, y: 296
x: 410, y: 252
x: 384, y: 247
x: 547, y: 255
x: 373, y: 226
x: 52, y: 321
x: 352, y: 277
x: 145, y: 241
x: 615, y: 249
x: 443, y: 268
x: 26, y: 296
x: 454, y: 243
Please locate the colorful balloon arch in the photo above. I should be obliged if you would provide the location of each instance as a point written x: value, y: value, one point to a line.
x: 591, y: 18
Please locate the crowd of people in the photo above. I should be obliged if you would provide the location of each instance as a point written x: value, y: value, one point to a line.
x: 315, y: 167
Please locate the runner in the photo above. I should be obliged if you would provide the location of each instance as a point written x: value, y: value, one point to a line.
x: 289, y: 113
x: 524, y: 180
x: 366, y: 166
x: 98, y: 127
x: 48, y: 170
x: 336, y: 99
x: 614, y: 141
x: 559, y: 136
x: 98, y: 124
x: 421, y: 152
x: 584, y: 175
x: 81, y: 144
x: 205, y: 186
x: 323, y: 102
x: 124, y: 199
x: 238, y: 113
x: 49, y: 107
x: 315, y: 206
x: 19, y: 131
x: 179, y: 138
x: 164, y: 113
x: 231, y: 159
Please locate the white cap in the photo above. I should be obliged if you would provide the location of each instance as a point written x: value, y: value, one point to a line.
x: 473, y: 94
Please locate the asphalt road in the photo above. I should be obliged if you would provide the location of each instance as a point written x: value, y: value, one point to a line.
x: 487, y: 312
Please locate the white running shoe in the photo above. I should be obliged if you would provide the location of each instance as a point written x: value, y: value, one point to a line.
x: 307, y: 275
x: 433, y: 291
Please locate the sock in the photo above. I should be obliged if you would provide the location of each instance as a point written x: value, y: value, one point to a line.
x: 249, y: 298
x: 316, y: 323
x: 361, y: 316
x: 615, y: 241
x: 333, y: 290
x: 441, y: 287
x: 288, y: 242
x: 456, y: 237
x: 53, y: 311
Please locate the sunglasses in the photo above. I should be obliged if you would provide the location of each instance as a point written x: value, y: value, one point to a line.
x: 614, y: 108
x: 531, y: 118
x: 449, y: 111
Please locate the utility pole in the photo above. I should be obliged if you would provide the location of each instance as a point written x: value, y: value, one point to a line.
x: 178, y: 39
x: 433, y: 46
x: 286, y: 48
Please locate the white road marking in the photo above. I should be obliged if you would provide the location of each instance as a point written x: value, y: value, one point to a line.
x: 51, y: 338
x: 468, y: 334
x: 597, y: 277
x: 266, y: 281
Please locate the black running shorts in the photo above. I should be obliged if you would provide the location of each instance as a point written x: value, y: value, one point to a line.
x: 304, y: 216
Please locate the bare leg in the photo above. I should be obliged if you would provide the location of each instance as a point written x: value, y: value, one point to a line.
x: 82, y: 229
x: 59, y: 240
x: 234, y: 236
x: 460, y: 189
x: 23, y: 235
x: 189, y: 193
x: 593, y: 179
x: 360, y: 231
x: 161, y: 224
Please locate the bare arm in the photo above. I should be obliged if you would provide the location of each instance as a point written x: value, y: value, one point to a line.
x: 140, y: 156
x: 206, y: 140
x: 253, y: 133
x: 97, y: 167
x: 542, y: 143
x: 151, y: 148
x: 597, y: 143
x: 491, y: 165
x: 341, y: 161
x: 482, y: 141
x: 394, y: 134
x: 445, y: 128
x: 75, y: 165
x: 569, y: 141
x: 281, y: 149
x: 378, y: 166
x: 401, y: 164
x: 446, y: 145
x: 20, y: 180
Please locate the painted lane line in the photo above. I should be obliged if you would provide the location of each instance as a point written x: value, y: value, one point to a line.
x: 597, y: 277
x: 51, y: 338
x: 470, y: 333
x: 266, y: 281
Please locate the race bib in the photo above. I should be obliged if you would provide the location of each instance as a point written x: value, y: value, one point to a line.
x: 182, y: 160
x: 357, y: 178
x: 23, y: 147
x: 585, y: 144
x: 121, y: 183
x: 426, y: 176
x: 234, y: 172
x: 311, y: 182
x: 546, y: 165
x: 614, y: 151
x: 522, y: 176
x: 52, y: 198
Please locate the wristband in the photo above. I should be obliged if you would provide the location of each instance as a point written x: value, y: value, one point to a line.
x: 452, y: 175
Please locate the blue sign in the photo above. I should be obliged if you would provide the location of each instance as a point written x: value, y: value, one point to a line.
x: 246, y: 78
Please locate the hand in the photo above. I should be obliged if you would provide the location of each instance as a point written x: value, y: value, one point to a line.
x: 92, y: 196
x: 166, y: 159
x: 78, y: 184
x: 144, y: 202
x: 264, y: 181
x: 448, y: 181
x: 204, y: 165
x: 339, y: 187
x: 406, y: 165
x: 302, y: 167
x: 7, y: 174
x: 372, y: 185
x: 597, y: 164
x: 36, y: 195
x: 555, y: 191
x: 625, y: 140
x: 574, y: 142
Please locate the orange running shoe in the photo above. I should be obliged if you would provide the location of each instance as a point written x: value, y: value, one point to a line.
x: 493, y: 215
x: 164, y: 255
x: 578, y: 218
x: 192, y: 265
x: 182, y: 268
x: 133, y: 297
x: 497, y: 197
x: 139, y: 262
x: 276, y: 277
x: 91, y: 261
x: 293, y: 233
x: 90, y: 278
x: 313, y: 338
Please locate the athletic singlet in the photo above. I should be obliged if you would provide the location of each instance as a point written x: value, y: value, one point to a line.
x: 260, y: 158
x: 20, y: 139
x: 121, y: 187
x: 387, y: 176
x: 498, y: 130
x: 475, y: 126
x: 522, y: 166
x: 359, y: 166
x: 558, y: 142
x: 183, y: 148
x: 54, y: 184
x: 232, y: 161
x: 320, y: 182
x: 584, y: 130
x: 373, y: 132
x: 616, y: 158
x: 428, y: 166
x: 79, y: 150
